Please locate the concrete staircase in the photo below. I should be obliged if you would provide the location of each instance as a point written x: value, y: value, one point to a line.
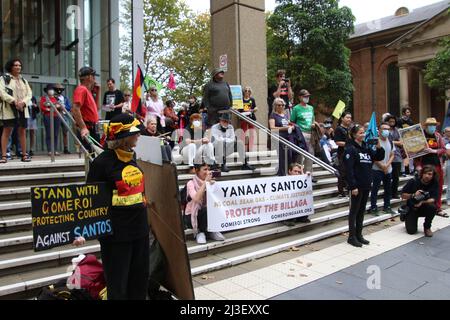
x: 24, y: 272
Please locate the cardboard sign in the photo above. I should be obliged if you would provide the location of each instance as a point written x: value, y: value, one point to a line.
x: 414, y: 141
x: 62, y: 214
x: 223, y: 62
x: 237, y: 95
x: 247, y: 203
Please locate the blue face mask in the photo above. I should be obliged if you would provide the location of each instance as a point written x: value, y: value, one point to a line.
x: 385, y: 133
x: 431, y: 129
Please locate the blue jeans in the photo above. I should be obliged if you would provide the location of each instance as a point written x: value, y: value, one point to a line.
x: 57, y: 124
x: 379, y: 176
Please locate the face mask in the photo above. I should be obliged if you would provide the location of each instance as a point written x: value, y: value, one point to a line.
x: 431, y: 129
x: 197, y: 123
x: 306, y: 100
x: 51, y: 92
x: 385, y: 133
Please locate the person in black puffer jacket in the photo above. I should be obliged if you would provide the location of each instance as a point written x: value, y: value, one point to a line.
x: 358, y: 159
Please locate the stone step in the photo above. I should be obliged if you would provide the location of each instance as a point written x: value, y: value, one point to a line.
x: 42, y: 165
x: 24, y: 180
x: 24, y: 260
x: 26, y: 284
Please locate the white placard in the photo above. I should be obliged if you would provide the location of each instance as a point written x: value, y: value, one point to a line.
x: 149, y: 149
x: 223, y: 62
x: 247, y: 203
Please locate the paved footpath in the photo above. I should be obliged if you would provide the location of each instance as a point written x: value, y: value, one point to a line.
x: 409, y: 267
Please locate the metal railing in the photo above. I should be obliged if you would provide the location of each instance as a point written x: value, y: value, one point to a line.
x: 53, y: 109
x: 286, y: 142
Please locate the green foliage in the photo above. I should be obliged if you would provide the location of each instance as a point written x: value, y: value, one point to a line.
x: 307, y: 38
x: 174, y: 38
x: 437, y: 73
x: 191, y: 59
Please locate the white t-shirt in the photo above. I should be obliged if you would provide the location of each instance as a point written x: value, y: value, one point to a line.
x: 388, y: 149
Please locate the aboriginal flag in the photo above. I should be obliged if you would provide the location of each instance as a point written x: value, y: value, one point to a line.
x: 138, y: 89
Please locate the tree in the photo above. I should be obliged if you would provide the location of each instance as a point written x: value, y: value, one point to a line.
x: 191, y: 59
x: 437, y: 73
x: 161, y: 19
x: 307, y: 38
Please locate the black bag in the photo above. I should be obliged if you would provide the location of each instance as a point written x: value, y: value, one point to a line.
x: 59, y: 291
x: 157, y: 273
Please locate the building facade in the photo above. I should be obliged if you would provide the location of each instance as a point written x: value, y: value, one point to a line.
x: 54, y: 38
x: 388, y: 61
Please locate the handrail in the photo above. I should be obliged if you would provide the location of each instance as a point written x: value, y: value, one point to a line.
x: 286, y: 142
x: 63, y: 121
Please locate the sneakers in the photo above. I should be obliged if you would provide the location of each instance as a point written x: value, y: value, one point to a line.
x: 224, y: 168
x: 389, y: 211
x: 304, y: 220
x: 289, y: 223
x: 374, y: 211
x: 216, y: 236
x: 200, y: 238
x: 246, y: 166
x: 428, y: 233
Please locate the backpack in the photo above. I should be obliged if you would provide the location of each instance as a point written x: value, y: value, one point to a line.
x: 59, y: 291
x: 88, y: 275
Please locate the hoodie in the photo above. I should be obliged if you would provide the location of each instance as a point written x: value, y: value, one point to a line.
x: 358, y: 161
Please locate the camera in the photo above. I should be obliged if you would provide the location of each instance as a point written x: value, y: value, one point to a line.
x: 403, y: 210
x: 286, y: 80
x: 423, y: 196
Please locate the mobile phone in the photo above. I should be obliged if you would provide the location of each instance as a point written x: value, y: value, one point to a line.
x: 216, y: 174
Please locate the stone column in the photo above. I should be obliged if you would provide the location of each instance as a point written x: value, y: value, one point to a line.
x: 404, y: 86
x: 424, y: 98
x: 238, y: 29
x: 137, y: 22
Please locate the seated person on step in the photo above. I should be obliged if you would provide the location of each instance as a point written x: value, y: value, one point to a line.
x: 152, y: 131
x: 296, y: 169
x: 224, y: 141
x: 194, y: 145
x: 421, y: 194
x: 195, y: 215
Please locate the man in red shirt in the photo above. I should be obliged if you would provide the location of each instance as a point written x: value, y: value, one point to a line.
x: 85, y: 107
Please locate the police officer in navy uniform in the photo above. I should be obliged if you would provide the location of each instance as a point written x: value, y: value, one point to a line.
x: 358, y: 159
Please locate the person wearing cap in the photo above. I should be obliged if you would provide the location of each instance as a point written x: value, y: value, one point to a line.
x: 124, y: 253
x: 85, y: 106
x: 303, y: 115
x: 113, y: 99
x: 15, y: 95
x: 224, y: 141
x: 64, y: 101
x: 195, y: 147
x: 435, y: 151
x: 50, y: 96
x: 216, y: 96
x: 327, y: 143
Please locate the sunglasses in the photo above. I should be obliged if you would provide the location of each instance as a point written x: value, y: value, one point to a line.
x: 128, y: 95
x: 153, y: 90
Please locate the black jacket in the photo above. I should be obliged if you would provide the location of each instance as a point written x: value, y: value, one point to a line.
x: 358, y: 161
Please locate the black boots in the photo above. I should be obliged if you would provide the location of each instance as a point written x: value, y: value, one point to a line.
x: 362, y: 240
x: 354, y: 242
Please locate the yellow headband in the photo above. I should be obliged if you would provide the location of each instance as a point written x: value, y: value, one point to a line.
x: 114, y: 128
